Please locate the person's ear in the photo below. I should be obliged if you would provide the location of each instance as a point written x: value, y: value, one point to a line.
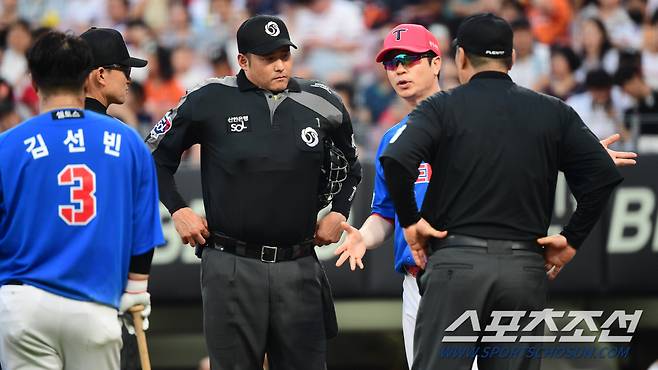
x: 243, y: 61
x: 436, y: 65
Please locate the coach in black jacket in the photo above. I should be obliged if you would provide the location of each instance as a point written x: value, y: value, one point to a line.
x: 262, y: 137
x: 496, y: 149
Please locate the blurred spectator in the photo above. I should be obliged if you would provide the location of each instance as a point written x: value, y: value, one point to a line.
x: 328, y: 33
x: 550, y: 20
x: 378, y: 95
x: 642, y: 118
x: 511, y: 10
x: 346, y: 91
x: 600, y: 107
x: 426, y: 11
x: 136, y: 102
x: 562, y: 82
x: 118, y: 14
x: 189, y: 69
x: 161, y: 89
x: 650, y: 53
x: 141, y: 41
x: 220, y: 64
x: 654, y: 366
x: 532, y: 63
x: 179, y: 31
x: 596, y: 49
x: 14, y: 63
x: 9, y: 116
x: 8, y: 13
x: 623, y: 31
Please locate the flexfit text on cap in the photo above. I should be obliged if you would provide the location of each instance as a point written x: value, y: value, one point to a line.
x: 107, y: 48
x: 409, y: 37
x: 263, y: 34
x: 485, y: 35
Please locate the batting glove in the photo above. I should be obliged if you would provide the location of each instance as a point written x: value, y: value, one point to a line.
x: 135, y: 294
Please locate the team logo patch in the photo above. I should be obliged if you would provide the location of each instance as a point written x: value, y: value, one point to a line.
x: 272, y: 29
x: 67, y: 114
x: 310, y: 136
x: 161, y: 127
x: 236, y: 124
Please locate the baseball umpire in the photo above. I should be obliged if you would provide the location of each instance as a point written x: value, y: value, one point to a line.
x: 109, y: 78
x: 264, y: 139
x: 496, y: 149
x: 79, y: 218
x: 106, y: 84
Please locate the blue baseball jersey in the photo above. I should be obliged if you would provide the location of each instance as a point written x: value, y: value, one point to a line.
x: 78, y: 198
x: 382, y: 204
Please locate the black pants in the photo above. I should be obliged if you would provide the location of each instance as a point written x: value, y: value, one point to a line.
x: 251, y: 307
x: 483, y: 279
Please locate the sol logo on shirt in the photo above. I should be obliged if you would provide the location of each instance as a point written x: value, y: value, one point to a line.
x: 310, y: 136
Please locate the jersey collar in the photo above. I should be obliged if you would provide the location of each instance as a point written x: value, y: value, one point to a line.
x: 245, y: 85
x: 492, y: 74
x: 95, y: 106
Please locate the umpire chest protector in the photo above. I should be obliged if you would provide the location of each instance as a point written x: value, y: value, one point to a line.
x: 262, y: 153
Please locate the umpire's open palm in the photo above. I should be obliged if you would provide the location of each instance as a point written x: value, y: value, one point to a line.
x: 353, y: 247
x: 417, y: 236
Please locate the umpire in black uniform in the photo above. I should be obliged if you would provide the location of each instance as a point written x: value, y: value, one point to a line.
x: 496, y: 149
x: 107, y: 83
x: 109, y: 78
x: 264, y: 138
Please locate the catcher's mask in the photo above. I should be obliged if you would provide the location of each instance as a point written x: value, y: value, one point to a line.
x: 334, y: 172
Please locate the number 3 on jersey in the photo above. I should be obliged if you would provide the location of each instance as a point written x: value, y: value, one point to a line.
x: 82, y: 194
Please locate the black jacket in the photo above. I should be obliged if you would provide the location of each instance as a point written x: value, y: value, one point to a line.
x: 261, y: 156
x: 495, y: 149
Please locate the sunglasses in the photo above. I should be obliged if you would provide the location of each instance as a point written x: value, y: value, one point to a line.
x: 405, y: 59
x: 118, y: 67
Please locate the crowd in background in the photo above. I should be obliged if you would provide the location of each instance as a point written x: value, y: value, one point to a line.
x: 600, y: 56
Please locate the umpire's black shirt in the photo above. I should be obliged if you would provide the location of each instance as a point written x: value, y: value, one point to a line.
x: 261, y: 156
x: 495, y: 149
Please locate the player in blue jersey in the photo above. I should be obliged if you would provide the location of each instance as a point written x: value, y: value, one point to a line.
x: 411, y: 57
x: 79, y: 218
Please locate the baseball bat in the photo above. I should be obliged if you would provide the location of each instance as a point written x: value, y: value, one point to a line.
x: 141, y: 337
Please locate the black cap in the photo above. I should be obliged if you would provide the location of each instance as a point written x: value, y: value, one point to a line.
x: 485, y: 35
x: 263, y: 34
x: 108, y: 47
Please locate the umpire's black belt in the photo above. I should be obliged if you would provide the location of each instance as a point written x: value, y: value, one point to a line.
x: 265, y: 253
x: 471, y: 241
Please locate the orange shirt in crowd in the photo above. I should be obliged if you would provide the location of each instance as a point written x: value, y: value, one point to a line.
x: 162, y: 96
x: 550, y: 20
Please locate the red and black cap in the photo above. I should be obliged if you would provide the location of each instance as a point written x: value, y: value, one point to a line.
x: 107, y: 48
x: 263, y: 34
x: 409, y: 37
x: 485, y: 35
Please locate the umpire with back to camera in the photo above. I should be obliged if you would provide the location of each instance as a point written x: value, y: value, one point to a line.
x: 265, y: 138
x: 496, y: 149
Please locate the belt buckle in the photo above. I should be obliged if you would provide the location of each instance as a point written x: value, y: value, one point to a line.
x: 268, y: 249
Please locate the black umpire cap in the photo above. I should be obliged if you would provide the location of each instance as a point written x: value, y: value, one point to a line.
x: 485, y: 35
x: 108, y: 48
x: 263, y: 34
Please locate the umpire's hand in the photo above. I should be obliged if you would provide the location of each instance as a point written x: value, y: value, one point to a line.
x: 557, y: 253
x: 328, y: 229
x: 417, y: 236
x: 192, y: 228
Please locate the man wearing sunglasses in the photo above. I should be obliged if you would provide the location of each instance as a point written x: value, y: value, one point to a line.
x: 412, y: 60
x: 411, y: 57
x: 109, y: 79
x: 107, y: 83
